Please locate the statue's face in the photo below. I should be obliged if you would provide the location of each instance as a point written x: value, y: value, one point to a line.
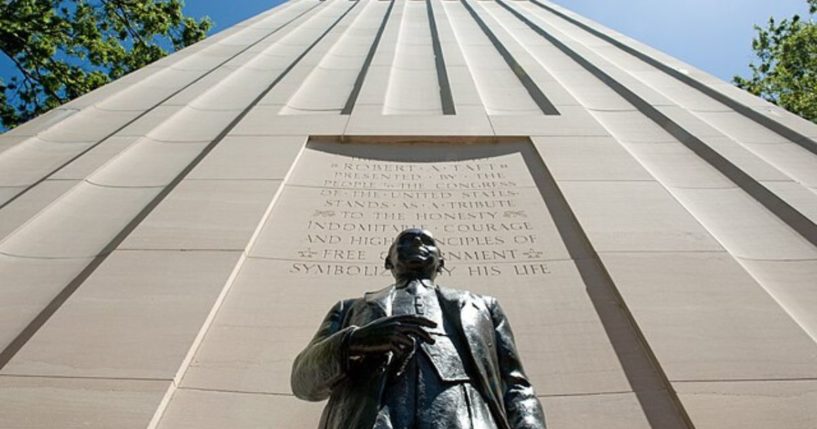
x: 414, y: 254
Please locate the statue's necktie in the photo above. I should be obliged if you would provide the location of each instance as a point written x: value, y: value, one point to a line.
x: 409, y: 299
x: 417, y: 298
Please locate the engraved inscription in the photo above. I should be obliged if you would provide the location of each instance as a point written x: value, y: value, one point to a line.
x: 486, y: 212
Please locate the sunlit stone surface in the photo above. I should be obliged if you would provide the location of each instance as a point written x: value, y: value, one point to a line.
x: 169, y: 242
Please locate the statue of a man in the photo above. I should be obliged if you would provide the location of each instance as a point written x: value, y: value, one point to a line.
x: 416, y: 355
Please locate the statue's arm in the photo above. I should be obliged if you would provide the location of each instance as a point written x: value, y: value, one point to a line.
x: 521, y: 405
x: 323, y: 362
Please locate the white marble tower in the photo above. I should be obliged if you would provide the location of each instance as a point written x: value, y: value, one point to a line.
x: 169, y: 242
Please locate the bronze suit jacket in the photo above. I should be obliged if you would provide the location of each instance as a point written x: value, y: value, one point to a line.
x: 354, y: 390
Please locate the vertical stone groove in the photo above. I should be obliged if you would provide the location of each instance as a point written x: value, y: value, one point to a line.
x: 45, y: 314
x: 776, y: 205
x: 739, y: 107
x: 446, y: 97
x: 535, y: 93
x: 350, y: 102
x: 152, y: 108
x: 596, y: 277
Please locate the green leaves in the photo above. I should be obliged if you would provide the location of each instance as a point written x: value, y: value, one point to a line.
x: 786, y: 68
x: 65, y: 48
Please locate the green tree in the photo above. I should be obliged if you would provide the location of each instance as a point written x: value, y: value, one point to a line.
x: 64, y: 48
x: 786, y: 69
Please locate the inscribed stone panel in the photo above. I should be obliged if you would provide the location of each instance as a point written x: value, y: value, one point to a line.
x: 345, y: 203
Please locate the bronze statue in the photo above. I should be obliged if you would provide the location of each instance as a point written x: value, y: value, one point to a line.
x: 416, y: 355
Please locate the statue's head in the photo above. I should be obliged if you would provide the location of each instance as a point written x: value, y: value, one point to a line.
x: 414, y: 255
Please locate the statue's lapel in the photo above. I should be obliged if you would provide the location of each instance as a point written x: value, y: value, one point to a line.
x: 475, y: 326
x: 458, y: 309
x: 451, y: 301
x: 379, y: 302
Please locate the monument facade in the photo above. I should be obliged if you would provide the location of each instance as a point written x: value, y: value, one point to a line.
x: 170, y: 242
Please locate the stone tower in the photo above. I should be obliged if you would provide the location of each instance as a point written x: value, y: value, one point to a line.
x: 169, y: 242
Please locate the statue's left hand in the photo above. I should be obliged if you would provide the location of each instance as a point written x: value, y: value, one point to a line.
x: 390, y: 334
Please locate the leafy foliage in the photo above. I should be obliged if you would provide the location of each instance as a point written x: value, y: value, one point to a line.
x: 65, y: 48
x: 786, y: 72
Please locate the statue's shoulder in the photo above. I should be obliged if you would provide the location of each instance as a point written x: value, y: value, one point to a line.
x: 342, y: 307
x: 348, y: 302
x: 465, y: 296
x: 380, y: 293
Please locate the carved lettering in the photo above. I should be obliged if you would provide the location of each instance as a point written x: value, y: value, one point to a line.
x: 464, y: 216
x: 320, y: 269
x: 484, y: 271
x: 358, y: 204
x: 471, y: 241
x: 487, y: 227
x: 485, y: 214
x: 530, y: 269
x: 481, y: 255
x: 323, y: 239
x: 390, y: 216
x: 475, y: 185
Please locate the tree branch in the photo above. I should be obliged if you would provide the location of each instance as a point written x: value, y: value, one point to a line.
x: 31, y: 80
x: 117, y: 6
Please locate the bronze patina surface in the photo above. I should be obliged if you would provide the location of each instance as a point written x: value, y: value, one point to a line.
x: 417, y: 355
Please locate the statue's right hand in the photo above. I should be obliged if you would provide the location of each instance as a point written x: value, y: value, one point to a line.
x: 390, y: 334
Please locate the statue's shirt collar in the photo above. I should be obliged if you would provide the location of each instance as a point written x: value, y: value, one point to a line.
x: 405, y: 283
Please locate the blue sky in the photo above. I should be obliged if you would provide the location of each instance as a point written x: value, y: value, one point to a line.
x: 713, y: 35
